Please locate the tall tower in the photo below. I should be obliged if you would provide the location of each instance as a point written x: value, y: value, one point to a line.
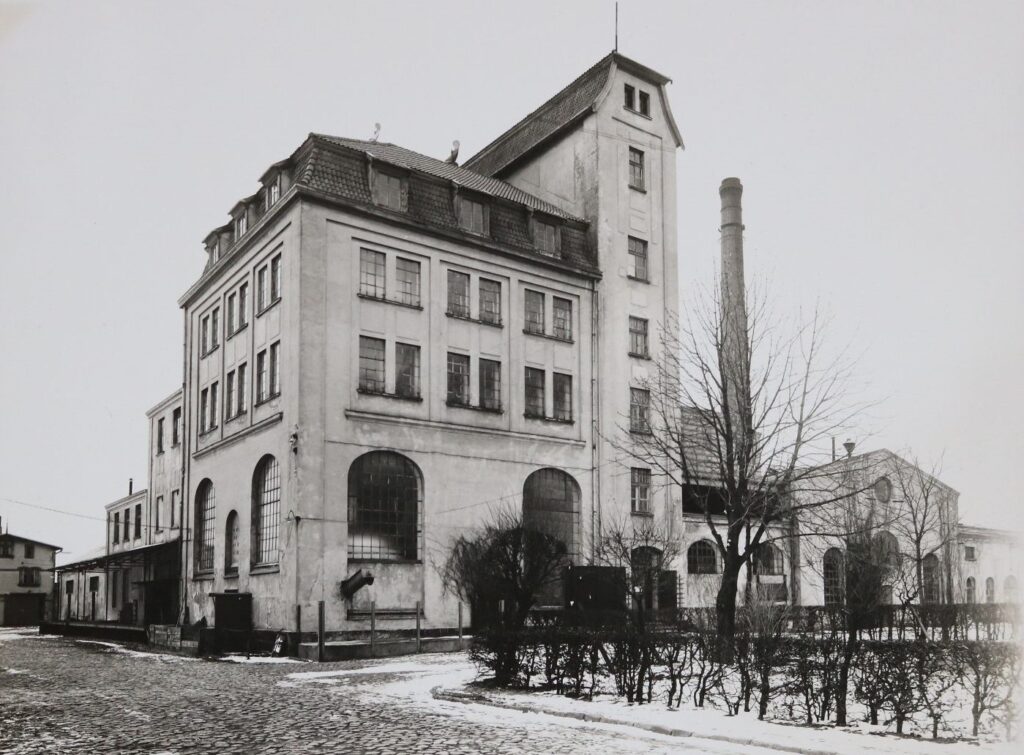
x: 733, y: 325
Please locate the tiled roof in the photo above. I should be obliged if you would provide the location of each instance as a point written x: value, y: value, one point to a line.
x: 406, y: 158
x: 564, y: 108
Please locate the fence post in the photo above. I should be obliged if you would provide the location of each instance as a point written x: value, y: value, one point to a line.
x: 419, y: 642
x: 460, y: 624
x: 373, y: 627
x: 320, y: 631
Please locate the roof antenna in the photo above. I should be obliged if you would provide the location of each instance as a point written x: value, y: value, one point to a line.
x: 376, y: 132
x: 616, y: 28
x: 454, y: 156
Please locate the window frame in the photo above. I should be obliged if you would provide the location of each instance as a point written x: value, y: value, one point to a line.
x: 562, y: 399
x: 637, y: 249
x: 637, y: 169
x: 408, y: 291
x: 460, y: 396
x: 639, y: 344
x: 489, y: 377
x: 639, y: 411
x: 489, y: 315
x: 535, y: 324
x: 639, y: 490
x: 629, y: 97
x: 539, y: 389
x: 454, y: 306
x: 266, y: 513
x: 408, y: 388
x: 368, y: 382
x: 561, y: 318
x: 468, y: 215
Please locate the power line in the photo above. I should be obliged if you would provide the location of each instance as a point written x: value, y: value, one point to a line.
x: 51, y: 509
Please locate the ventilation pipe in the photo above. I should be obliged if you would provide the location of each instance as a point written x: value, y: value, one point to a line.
x: 130, y: 484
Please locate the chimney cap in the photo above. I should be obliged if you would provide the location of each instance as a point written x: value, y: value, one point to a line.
x: 849, y: 445
x: 730, y: 184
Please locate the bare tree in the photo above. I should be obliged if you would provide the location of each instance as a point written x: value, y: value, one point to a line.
x: 738, y: 413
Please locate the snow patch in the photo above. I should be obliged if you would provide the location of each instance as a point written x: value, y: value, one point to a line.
x: 237, y: 658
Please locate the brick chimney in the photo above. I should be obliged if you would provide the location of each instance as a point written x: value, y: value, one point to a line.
x: 735, y: 345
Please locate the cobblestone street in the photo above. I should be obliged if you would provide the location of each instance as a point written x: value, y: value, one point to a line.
x: 65, y: 696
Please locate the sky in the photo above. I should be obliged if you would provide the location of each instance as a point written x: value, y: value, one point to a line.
x: 879, y: 144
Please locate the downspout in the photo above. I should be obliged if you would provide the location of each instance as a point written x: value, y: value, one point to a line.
x: 595, y: 417
x: 186, y: 436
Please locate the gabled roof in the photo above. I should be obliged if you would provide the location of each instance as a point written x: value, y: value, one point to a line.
x: 20, y: 539
x: 406, y: 158
x: 558, y: 114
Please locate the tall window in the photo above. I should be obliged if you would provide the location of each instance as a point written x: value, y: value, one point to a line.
x: 473, y: 216
x: 243, y: 305
x: 215, y: 328
x: 970, y: 592
x: 638, y: 337
x: 211, y: 422
x: 30, y: 550
x: 261, y: 377
x: 275, y: 368
x: 640, y: 490
x: 562, y: 387
x: 371, y: 274
x: 561, y: 315
x: 176, y: 427
x: 231, y: 544
x: 990, y: 590
x: 127, y: 524
x: 156, y: 512
x: 930, y: 579
x: 534, y: 312
x: 490, y: 301
x: 371, y: 364
x: 204, y: 336
x: 629, y: 100
x: 458, y: 294
x: 261, y: 289
x: 138, y: 520
x: 551, y: 504
x: 490, y: 384
x: 407, y: 377
x: 160, y: 435
x: 645, y: 103
x: 266, y: 511
x: 833, y: 571
x: 229, y: 395
x: 384, y: 501
x: 241, y: 225
x: 274, y: 191
x: 407, y: 275
x: 637, y: 259
x: 636, y: 168
x: 639, y: 410
x: 232, y: 307
x: 174, y: 507
x: 242, y: 383
x: 700, y: 558
x: 768, y: 560
x: 534, y: 392
x: 117, y: 527
x: 205, y: 510
x: 275, y: 279
x: 458, y: 379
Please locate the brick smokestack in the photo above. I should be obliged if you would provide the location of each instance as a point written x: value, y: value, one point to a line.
x: 735, y: 345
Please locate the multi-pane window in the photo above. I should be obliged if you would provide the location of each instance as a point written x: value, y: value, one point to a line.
x: 645, y: 103
x: 458, y: 379
x: 636, y: 168
x: 546, y: 238
x: 261, y: 377
x: 407, y: 275
x: 371, y: 364
x: 274, y: 191
x: 638, y: 337
x: 640, y: 490
x: 969, y: 554
x: 231, y: 544
x: 639, y: 410
x: 28, y: 576
x: 389, y: 191
x: 241, y: 388
x: 261, y: 289
x: 232, y: 313
x: 534, y: 392
x: 204, y: 409
x: 384, y: 501
x: 215, y: 328
x: 205, y: 509
x: 534, y: 312
x: 458, y: 294
x: 117, y: 527
x: 176, y: 427
x: 229, y: 396
x: 275, y: 279
x: 407, y: 375
x: 266, y: 511
x: 490, y: 384
x: 638, y: 259
x: 561, y: 316
x: 211, y: 423
x: 275, y: 368
x: 156, y: 512
x: 241, y: 225
x: 243, y: 305
x: 160, y: 435
x: 204, y: 336
x: 833, y: 576
x: 371, y: 274
x: 472, y: 216
x: 490, y: 301
x: 700, y: 558
x: 562, y: 388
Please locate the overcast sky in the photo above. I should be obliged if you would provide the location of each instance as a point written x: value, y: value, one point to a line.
x: 880, y: 145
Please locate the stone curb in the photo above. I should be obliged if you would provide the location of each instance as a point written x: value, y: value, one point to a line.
x: 476, y: 698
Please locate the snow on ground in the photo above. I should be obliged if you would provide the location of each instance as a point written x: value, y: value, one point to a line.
x: 8, y: 634
x: 240, y: 658
x: 118, y: 648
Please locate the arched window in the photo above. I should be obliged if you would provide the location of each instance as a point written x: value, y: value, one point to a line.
x: 887, y: 549
x: 266, y: 511
x: 768, y: 560
x: 551, y: 504
x: 231, y: 544
x: 700, y: 558
x: 990, y: 590
x: 834, y: 576
x: 930, y: 579
x: 1010, y: 589
x: 385, y: 495
x: 205, y: 511
x: 969, y: 590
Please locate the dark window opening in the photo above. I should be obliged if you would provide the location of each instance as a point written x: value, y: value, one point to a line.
x: 384, y: 501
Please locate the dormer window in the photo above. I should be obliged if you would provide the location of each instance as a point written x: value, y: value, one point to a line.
x: 215, y: 251
x: 473, y: 216
x: 241, y: 225
x: 630, y: 98
x: 546, y: 237
x: 389, y: 191
x: 273, y: 192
